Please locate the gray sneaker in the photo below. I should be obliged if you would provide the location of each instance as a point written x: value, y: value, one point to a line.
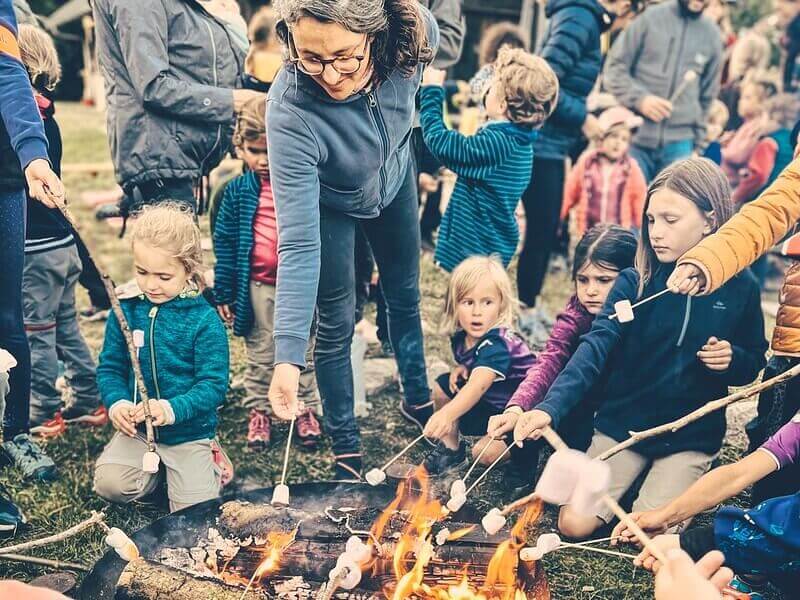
x: 28, y: 457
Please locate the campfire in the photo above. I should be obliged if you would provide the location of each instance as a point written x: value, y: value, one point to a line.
x: 344, y: 549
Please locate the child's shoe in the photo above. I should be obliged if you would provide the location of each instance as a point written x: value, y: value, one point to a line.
x: 348, y: 468
x: 11, y: 517
x: 29, y: 458
x: 75, y: 414
x: 259, y: 430
x: 740, y: 590
x: 418, y: 414
x: 223, y: 462
x: 52, y: 428
x: 442, y: 460
x: 94, y: 314
x: 309, y: 431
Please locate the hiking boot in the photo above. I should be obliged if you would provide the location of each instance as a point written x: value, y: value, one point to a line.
x: 348, y: 468
x: 442, y: 460
x: 259, y: 430
x: 309, y: 431
x: 94, y: 314
x: 52, y: 428
x: 95, y: 418
x: 418, y: 414
x: 223, y: 462
x: 11, y: 517
x: 29, y: 458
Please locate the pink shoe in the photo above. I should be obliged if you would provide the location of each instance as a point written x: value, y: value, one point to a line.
x: 224, y: 463
x: 259, y: 430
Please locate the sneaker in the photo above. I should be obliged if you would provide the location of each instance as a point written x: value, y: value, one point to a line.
x: 94, y: 314
x: 309, y: 431
x: 223, y: 462
x: 418, y: 414
x: 29, y: 458
x: 107, y: 211
x: 517, y: 482
x: 96, y: 418
x: 740, y: 590
x: 52, y: 428
x: 258, y: 430
x: 442, y: 460
x: 11, y: 517
x: 348, y: 468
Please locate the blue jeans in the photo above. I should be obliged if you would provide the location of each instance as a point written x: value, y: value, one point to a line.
x: 654, y: 160
x: 12, y: 328
x: 394, y: 238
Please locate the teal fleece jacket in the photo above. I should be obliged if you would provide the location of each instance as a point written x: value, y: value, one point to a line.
x: 184, y: 361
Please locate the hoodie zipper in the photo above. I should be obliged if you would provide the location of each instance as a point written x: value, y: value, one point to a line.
x: 663, y: 124
x: 380, y: 126
x: 153, y: 366
x: 216, y: 84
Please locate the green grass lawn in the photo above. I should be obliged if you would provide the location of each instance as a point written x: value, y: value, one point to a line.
x: 57, y: 506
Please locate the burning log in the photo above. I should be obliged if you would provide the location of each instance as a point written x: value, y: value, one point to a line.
x: 145, y: 580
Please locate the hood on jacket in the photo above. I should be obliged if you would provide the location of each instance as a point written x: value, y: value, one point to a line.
x: 601, y: 14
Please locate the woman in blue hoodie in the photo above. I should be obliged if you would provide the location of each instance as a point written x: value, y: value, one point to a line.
x: 339, y: 121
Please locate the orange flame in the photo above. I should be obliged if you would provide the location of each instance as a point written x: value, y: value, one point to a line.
x: 460, y: 533
x: 277, y: 542
x: 502, y: 570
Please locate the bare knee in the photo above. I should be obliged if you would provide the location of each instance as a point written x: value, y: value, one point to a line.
x: 495, y: 450
x: 575, y: 526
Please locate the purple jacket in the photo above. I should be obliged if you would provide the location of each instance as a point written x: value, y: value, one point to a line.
x: 570, y: 325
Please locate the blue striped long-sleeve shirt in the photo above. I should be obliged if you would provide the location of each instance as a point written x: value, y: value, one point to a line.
x: 493, y: 168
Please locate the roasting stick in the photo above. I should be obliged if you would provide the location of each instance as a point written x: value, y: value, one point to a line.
x: 378, y: 476
x: 476, y: 461
x: 280, y: 495
x: 688, y: 78
x: 397, y: 456
x: 645, y: 301
x: 123, y: 323
x: 489, y: 468
x: 558, y: 444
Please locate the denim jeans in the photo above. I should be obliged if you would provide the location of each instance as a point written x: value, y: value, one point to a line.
x: 394, y: 238
x: 12, y: 328
x: 654, y: 160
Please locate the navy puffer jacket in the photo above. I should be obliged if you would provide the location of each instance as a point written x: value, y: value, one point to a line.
x: 571, y: 46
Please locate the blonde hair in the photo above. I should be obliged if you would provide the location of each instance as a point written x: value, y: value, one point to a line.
x: 170, y: 226
x: 528, y: 84
x: 464, y: 279
x: 39, y: 57
x: 751, y: 51
x: 700, y: 181
x: 504, y: 34
x: 250, y: 123
x: 719, y: 113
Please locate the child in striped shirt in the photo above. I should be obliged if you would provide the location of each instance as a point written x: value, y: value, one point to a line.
x: 494, y: 165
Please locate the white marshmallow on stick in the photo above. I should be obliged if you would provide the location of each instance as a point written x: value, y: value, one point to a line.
x: 458, y: 488
x: 455, y: 503
x: 595, y: 477
x: 122, y: 544
x: 623, y: 310
x: 346, y: 573
x: 375, y: 477
x: 493, y: 521
x: 280, y: 494
x: 150, y: 462
x: 356, y: 549
x: 530, y: 554
x: 548, y: 542
x: 560, y: 476
x: 442, y: 536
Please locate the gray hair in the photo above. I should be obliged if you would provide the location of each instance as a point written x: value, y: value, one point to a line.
x: 358, y: 16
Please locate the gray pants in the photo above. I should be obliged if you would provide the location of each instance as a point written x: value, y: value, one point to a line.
x: 261, y: 354
x: 48, y: 296
x: 192, y: 476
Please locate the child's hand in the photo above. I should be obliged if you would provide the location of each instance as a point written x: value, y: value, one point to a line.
x: 225, y: 313
x: 501, y: 424
x: 460, y: 372
x: 121, y: 417
x: 441, y: 424
x: 716, y: 354
x: 433, y: 76
x: 652, y: 522
x: 665, y: 543
x: 681, y: 578
x: 156, y: 411
x: 530, y: 425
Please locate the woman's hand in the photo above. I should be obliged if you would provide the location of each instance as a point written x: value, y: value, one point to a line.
x: 241, y: 97
x: 530, y: 425
x: 687, y: 279
x: 121, y: 417
x: 501, y: 424
x: 433, y: 76
x: 716, y: 355
x: 460, y: 372
x: 652, y: 522
x: 441, y: 424
x: 283, y: 391
x: 43, y: 183
x: 683, y: 579
x: 225, y: 313
x: 156, y: 411
x: 665, y: 543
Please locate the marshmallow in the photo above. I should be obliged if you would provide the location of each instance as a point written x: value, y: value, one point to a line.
x: 456, y: 502
x: 138, y: 338
x: 122, y: 544
x: 493, y: 521
x: 375, y: 477
x: 530, y: 554
x: 458, y: 488
x: 150, y: 462
x: 560, y: 476
x: 593, y: 482
x: 7, y: 361
x: 441, y: 536
x: 280, y: 494
x: 624, y: 311
x: 357, y: 550
x: 548, y: 542
x: 349, y: 571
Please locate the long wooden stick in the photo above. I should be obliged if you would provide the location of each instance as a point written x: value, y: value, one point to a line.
x: 402, y: 452
x: 489, y: 468
x: 123, y: 323
x: 709, y: 407
x: 288, y: 446
x: 597, y: 550
x: 56, y: 564
x: 95, y: 519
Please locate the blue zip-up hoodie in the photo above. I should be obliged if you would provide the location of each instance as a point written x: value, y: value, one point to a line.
x: 184, y: 361
x: 349, y: 155
x: 21, y: 130
x: 646, y: 373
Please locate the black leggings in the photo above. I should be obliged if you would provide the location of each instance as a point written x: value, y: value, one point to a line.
x: 542, y: 202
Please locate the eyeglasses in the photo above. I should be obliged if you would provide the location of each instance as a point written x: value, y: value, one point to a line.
x: 344, y: 65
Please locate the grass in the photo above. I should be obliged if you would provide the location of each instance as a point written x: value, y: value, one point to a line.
x: 57, y: 506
